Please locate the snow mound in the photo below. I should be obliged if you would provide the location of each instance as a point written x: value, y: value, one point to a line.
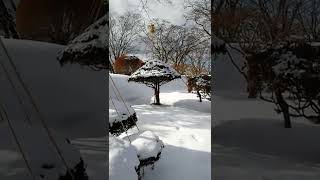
x: 123, y: 160
x: 148, y: 145
x: 44, y: 161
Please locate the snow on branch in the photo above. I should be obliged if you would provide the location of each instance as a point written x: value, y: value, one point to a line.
x: 89, y: 48
x: 154, y: 71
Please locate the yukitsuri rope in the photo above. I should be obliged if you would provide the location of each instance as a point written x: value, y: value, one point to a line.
x: 35, y: 108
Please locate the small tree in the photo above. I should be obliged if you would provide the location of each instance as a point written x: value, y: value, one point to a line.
x: 202, y: 85
x: 154, y: 74
x: 289, y: 72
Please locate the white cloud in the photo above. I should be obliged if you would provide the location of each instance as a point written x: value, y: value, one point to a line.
x: 171, y: 12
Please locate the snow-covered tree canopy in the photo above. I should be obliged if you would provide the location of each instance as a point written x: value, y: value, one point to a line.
x: 294, y: 70
x: 202, y: 84
x: 154, y: 72
x: 90, y: 48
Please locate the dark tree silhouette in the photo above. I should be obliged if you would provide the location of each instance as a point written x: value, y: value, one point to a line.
x: 289, y: 73
x: 90, y: 48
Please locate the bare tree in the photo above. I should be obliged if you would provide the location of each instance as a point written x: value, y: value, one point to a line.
x: 199, y: 59
x: 309, y: 16
x: 200, y: 14
x: 61, y: 30
x: 124, y: 32
x: 173, y: 43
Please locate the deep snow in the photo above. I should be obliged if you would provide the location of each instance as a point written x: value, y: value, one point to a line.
x: 72, y: 100
x: 249, y: 141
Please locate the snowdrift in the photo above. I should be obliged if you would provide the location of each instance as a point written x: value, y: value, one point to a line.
x: 71, y: 97
x: 123, y: 160
x: 71, y: 100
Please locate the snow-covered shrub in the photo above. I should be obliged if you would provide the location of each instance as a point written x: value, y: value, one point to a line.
x: 201, y: 84
x: 122, y: 117
x: 149, y: 148
x: 89, y: 48
x: 291, y: 73
x: 123, y: 160
x: 153, y: 74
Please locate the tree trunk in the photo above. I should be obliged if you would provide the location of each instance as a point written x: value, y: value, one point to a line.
x: 199, y: 94
x: 252, y: 89
x: 157, y: 94
x: 284, y: 108
x: 252, y: 73
x: 110, y: 67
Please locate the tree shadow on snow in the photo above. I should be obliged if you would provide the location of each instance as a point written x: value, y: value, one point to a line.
x: 270, y: 137
x: 193, y: 104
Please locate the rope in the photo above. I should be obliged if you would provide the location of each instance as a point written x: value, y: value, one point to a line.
x: 123, y: 128
x: 122, y: 99
x: 15, y: 90
x: 119, y: 94
x: 4, y: 116
x: 37, y: 110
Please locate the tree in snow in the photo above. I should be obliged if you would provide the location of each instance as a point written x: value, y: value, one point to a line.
x: 172, y: 43
x: 200, y: 13
x: 124, y: 31
x: 309, y: 17
x: 248, y: 26
x: 289, y: 72
x: 154, y: 74
x: 201, y: 84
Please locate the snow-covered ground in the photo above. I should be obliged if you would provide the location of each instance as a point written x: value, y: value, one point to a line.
x: 249, y: 141
x: 182, y: 123
x: 71, y: 99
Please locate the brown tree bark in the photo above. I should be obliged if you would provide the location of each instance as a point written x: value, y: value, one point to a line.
x: 157, y: 94
x: 199, y: 94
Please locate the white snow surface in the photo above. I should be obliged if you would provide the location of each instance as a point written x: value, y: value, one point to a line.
x: 249, y: 141
x: 72, y: 101
x: 122, y: 159
x: 181, y: 122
